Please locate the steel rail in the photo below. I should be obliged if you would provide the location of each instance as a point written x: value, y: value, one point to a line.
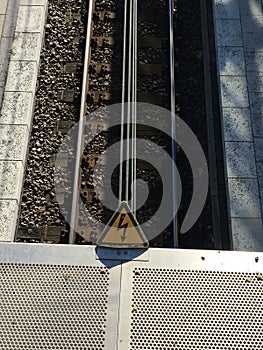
x: 134, y: 106
x: 123, y: 101
x: 172, y: 101
x: 75, y: 195
x: 129, y: 102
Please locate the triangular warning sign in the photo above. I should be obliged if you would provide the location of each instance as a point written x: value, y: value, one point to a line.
x: 123, y: 231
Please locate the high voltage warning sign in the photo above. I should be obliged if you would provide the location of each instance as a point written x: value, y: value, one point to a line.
x: 123, y: 231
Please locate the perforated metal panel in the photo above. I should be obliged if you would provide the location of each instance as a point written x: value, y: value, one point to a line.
x: 68, y: 303
x: 196, y: 310
x: 183, y: 301
x: 53, y: 307
x: 65, y: 298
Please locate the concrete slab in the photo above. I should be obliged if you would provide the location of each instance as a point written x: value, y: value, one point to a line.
x: 30, y: 19
x: 244, y: 198
x: 3, y: 7
x: 231, y: 61
x: 17, y: 108
x: 253, y: 8
x: 257, y: 123
x: 252, y: 41
x: 5, y: 52
x: 237, y: 124
x: 234, y: 91
x: 2, y: 74
x: 226, y: 9
x: 22, y: 76
x: 252, y: 24
x: 8, y: 214
x: 259, y: 149
x: 254, y: 61
x: 255, y: 81
x: 2, y: 19
x: 247, y: 234
x: 260, y: 176
x: 13, y: 142
x: 256, y: 103
x: 241, y: 85
x: 1, y: 93
x: 10, y: 20
x: 26, y: 47
x: 240, y: 159
x: 33, y: 2
x: 229, y: 32
x: 11, y: 176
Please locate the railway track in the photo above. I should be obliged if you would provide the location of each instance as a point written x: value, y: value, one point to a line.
x: 103, y: 84
x: 136, y: 67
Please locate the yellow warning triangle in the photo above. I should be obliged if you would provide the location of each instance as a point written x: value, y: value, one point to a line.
x: 123, y: 231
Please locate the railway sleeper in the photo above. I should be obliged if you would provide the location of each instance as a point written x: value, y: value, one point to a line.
x: 147, y: 42
x: 67, y: 95
x: 153, y: 17
x: 41, y: 234
x: 101, y: 42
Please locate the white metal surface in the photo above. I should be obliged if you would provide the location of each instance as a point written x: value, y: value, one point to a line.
x: 163, y: 299
x: 57, y: 297
x: 192, y: 300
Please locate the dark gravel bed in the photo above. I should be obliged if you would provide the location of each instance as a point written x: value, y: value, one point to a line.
x: 64, y: 45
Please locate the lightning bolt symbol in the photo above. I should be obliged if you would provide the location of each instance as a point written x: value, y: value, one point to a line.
x: 123, y: 225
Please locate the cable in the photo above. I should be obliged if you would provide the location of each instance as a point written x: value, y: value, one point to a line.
x: 123, y: 101
x: 129, y: 102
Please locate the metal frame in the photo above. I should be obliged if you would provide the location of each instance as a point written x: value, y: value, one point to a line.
x: 178, y: 259
x: 72, y: 255
x: 118, y: 325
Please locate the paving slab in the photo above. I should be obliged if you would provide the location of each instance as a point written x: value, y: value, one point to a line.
x: 244, y: 198
x: 22, y: 76
x: 257, y: 123
x: 252, y: 41
x: 240, y: 159
x: 247, y: 234
x: 237, y: 124
x: 256, y: 103
x: 5, y: 52
x: 240, y: 61
x: 254, y: 61
x: 254, y: 8
x: 2, y: 19
x: 33, y: 2
x: 17, y: 108
x: 11, y: 176
x: 258, y: 148
x: 231, y: 61
x: 8, y: 215
x: 260, y: 175
x: 3, y: 7
x: 229, y: 32
x: 10, y: 19
x: 226, y: 9
x: 1, y: 92
x: 26, y: 47
x: 13, y: 142
x: 30, y: 19
x: 234, y: 91
x: 255, y: 81
x: 251, y: 24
